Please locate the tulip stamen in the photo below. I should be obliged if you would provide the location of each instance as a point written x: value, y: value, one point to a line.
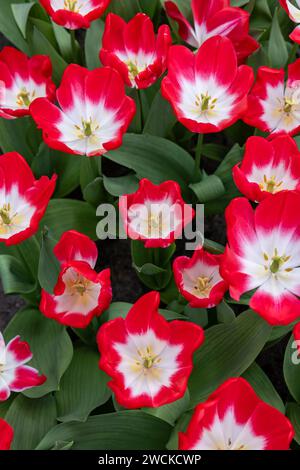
x: 202, y: 286
x: 270, y: 184
x: 24, y: 98
x: 72, y: 5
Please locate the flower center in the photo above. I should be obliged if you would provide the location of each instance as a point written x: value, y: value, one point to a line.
x: 80, y: 286
x: 276, y: 262
x: 270, y: 184
x: 205, y: 102
x: 147, y: 359
x: 24, y: 99
x: 5, y: 214
x: 71, y: 5
x: 87, y: 129
x: 133, y: 69
x: 202, y: 286
x: 288, y: 105
x: 155, y: 224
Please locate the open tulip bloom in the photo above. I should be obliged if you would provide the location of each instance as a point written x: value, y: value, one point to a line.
x: 207, y: 90
x: 22, y: 80
x: 6, y: 435
x: 133, y: 49
x: 274, y: 104
x: 293, y: 10
x: 198, y: 279
x: 148, y: 359
x: 75, y: 14
x: 235, y: 418
x: 15, y: 375
x: 155, y: 214
x: 94, y: 112
x: 80, y: 293
x: 23, y: 199
x: 212, y: 18
x: 268, y: 167
x: 263, y: 253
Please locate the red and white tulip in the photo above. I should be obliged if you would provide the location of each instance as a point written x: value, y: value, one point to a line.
x: 15, y: 375
x: 274, y: 104
x: 134, y: 50
x: 80, y: 293
x: 75, y: 14
x: 155, y: 214
x: 235, y: 418
x: 93, y: 112
x: 294, y: 13
x: 215, y: 18
x: 198, y: 279
x: 6, y: 435
x: 23, y: 199
x: 268, y: 167
x: 263, y: 253
x: 148, y: 359
x: 22, y: 80
x: 207, y: 90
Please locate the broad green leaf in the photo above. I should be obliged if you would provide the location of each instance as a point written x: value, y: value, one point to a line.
x: 291, y: 368
x: 293, y: 413
x: 89, y: 170
x: 8, y: 26
x: 21, y: 13
x: 14, y: 276
x: 277, y: 51
x: 155, y: 158
x: 67, y: 168
x: 70, y: 214
x: 63, y: 39
x: 228, y: 350
x: 31, y: 420
x: 197, y: 315
x: 161, y: 118
x: 171, y: 412
x: 126, y: 9
x: 13, y: 136
x: 263, y: 386
x: 94, y: 192
x: 92, y: 46
x: 49, y: 266
x: 5, y: 405
x: 213, y: 247
x: 50, y: 344
x: 121, y: 185
x: 124, y: 430
x: 41, y: 45
x: 225, y: 313
x: 83, y: 387
x: 208, y: 189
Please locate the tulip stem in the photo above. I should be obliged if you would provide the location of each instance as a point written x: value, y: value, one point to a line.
x: 198, y: 152
x: 293, y: 53
x: 73, y: 45
x: 140, y: 101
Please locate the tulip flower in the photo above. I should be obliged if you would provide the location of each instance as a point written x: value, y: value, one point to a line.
x: 263, y: 254
x: 235, y: 418
x: 213, y: 18
x: 6, y: 435
x: 134, y: 50
x: 23, y: 199
x: 198, y: 279
x: 94, y: 112
x: 155, y: 214
x: 294, y: 13
x: 148, y: 359
x: 15, y: 375
x: 22, y: 80
x: 207, y: 90
x: 80, y: 293
x: 268, y: 167
x: 74, y: 14
x: 274, y: 104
